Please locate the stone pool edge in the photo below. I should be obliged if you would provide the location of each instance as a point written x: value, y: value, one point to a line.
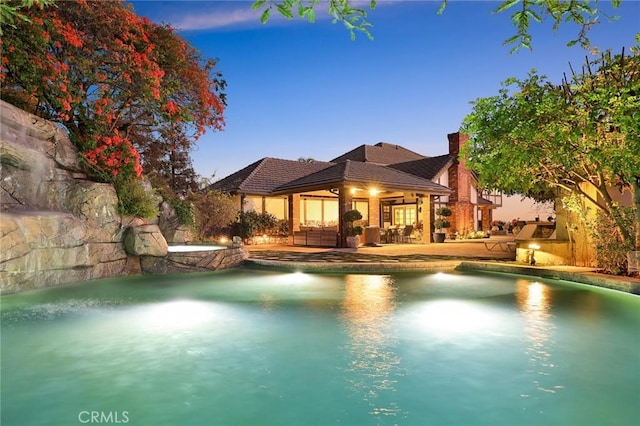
x: 356, y: 267
x: 623, y: 284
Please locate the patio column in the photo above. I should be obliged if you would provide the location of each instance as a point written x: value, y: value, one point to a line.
x: 294, y: 215
x: 374, y: 211
x: 425, y: 217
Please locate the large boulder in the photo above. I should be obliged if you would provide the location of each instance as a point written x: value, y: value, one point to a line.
x: 145, y: 240
x: 48, y: 248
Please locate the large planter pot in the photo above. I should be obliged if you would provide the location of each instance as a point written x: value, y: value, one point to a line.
x: 353, y: 242
x: 438, y: 237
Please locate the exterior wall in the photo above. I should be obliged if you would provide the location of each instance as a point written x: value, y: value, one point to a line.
x: 443, y: 179
x: 487, y: 218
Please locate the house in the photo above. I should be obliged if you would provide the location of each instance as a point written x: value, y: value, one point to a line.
x: 389, y: 184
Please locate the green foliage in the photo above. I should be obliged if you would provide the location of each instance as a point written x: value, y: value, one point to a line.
x: 473, y: 235
x: 610, y: 249
x: 444, y: 211
x: 184, y: 207
x: 120, y: 84
x: 252, y: 223
x: 184, y: 211
x: 538, y: 138
x: 136, y: 200
x: 349, y: 217
x: 215, y: 211
x: 583, y: 13
x: 353, y: 17
x: 441, y: 221
x: 283, y: 227
x: 10, y: 12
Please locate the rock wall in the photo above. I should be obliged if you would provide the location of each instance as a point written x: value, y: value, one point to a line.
x: 56, y: 225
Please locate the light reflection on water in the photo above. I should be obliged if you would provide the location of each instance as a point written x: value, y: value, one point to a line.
x: 367, y: 312
x: 534, y: 304
x: 248, y: 347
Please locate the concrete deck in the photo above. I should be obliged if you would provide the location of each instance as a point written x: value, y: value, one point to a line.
x: 463, y: 255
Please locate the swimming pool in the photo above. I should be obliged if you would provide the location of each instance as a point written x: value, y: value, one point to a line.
x: 249, y: 347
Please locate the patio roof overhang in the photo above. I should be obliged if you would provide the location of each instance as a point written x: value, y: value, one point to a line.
x: 364, y: 176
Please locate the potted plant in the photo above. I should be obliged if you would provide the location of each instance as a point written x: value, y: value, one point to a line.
x: 441, y: 223
x: 352, y: 232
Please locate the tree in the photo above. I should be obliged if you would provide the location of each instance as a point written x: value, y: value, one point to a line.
x: 537, y: 138
x: 214, y: 211
x: 584, y: 13
x: 115, y: 80
x: 10, y: 12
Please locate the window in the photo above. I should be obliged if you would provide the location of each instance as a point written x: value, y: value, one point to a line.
x: 319, y: 211
x: 404, y: 215
x: 363, y: 208
x: 277, y: 207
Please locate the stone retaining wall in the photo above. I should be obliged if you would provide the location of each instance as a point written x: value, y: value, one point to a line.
x: 58, y: 226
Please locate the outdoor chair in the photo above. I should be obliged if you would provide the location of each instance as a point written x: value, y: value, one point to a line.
x: 406, y: 234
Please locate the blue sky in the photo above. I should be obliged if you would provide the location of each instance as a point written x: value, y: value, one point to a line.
x: 306, y: 90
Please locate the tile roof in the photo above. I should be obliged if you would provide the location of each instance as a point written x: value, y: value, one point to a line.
x: 266, y: 174
x: 427, y: 168
x: 381, y: 153
x: 355, y: 172
x: 485, y: 202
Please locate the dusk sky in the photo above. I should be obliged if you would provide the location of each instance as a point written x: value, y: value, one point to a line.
x: 297, y: 89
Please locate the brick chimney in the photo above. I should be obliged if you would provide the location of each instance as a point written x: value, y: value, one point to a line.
x: 460, y: 179
x: 456, y: 141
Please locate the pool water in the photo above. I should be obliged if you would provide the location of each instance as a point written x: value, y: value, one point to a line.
x: 248, y: 347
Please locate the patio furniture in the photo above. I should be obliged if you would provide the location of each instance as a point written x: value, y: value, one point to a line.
x: 371, y: 235
x: 406, y: 234
x: 500, y: 245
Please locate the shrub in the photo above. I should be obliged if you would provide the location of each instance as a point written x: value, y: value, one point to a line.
x: 214, y: 212
x: 136, y: 200
x: 349, y: 217
x: 443, y: 213
x: 610, y: 251
x: 252, y: 223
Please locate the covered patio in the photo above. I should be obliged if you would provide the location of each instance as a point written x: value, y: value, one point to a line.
x: 392, y: 202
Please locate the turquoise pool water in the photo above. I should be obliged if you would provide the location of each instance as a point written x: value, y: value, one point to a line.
x: 247, y: 347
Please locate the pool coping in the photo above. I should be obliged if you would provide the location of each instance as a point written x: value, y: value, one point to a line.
x: 577, y: 275
x: 587, y: 276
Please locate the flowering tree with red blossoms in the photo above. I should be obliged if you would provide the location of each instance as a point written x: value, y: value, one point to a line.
x: 114, y: 79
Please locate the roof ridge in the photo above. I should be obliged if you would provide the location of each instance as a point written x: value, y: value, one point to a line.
x: 253, y: 172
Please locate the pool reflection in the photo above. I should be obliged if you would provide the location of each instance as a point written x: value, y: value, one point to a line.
x: 533, y: 299
x: 373, y: 369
